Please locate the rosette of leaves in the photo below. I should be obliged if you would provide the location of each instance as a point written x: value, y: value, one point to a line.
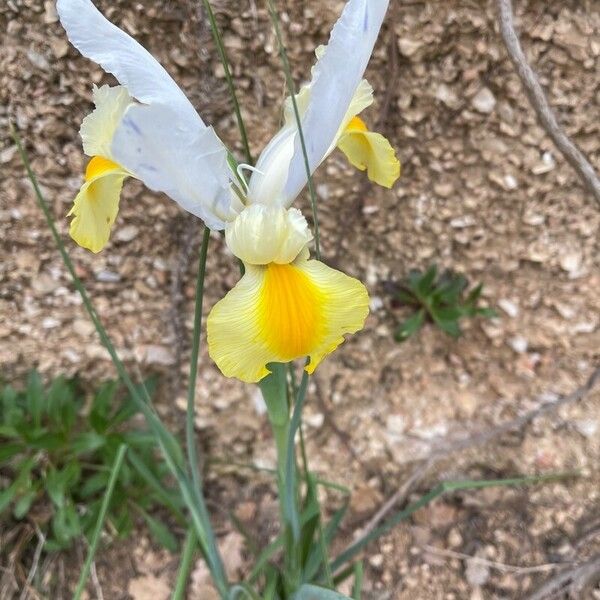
x: 57, y: 448
x: 442, y: 300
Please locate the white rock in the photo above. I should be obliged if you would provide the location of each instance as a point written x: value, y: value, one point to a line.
x: 315, y: 421
x: 477, y: 573
x: 462, y: 222
x: 259, y: 402
x: 408, y: 47
x: 587, y: 427
x: 108, y: 277
x: 159, y: 355
x: 395, y: 424
x: 127, y: 233
x: 518, y: 344
x: 484, y: 101
x: 510, y: 183
x: 375, y: 303
x: 447, y: 96
x: 570, y: 261
x: 50, y: 323
x: 509, y: 307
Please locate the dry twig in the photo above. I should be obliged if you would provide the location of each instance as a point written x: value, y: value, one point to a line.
x: 538, y: 101
x: 572, y: 581
x: 492, y: 564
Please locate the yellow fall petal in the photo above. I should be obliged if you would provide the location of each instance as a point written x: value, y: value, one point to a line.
x: 370, y: 151
x: 281, y: 312
x: 97, y: 204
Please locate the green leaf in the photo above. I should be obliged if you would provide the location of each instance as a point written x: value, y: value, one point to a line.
x: 44, y: 440
x: 7, y: 451
x: 424, y: 286
x: 35, y: 397
x: 315, y: 558
x: 312, y: 592
x: 23, y: 504
x: 449, y: 313
x: 410, y: 326
x: 62, y: 407
x: 102, y: 405
x: 474, y: 295
x: 93, y: 484
x: 310, y: 518
x: 59, y: 483
x: 450, y: 327
x: 86, y: 442
x: 358, y: 580
x: 21, y: 481
x: 66, y: 524
x: 161, y: 532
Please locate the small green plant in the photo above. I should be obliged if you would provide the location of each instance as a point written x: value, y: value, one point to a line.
x: 441, y: 300
x: 57, y: 450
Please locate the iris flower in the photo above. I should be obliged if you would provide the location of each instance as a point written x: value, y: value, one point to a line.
x: 286, y: 305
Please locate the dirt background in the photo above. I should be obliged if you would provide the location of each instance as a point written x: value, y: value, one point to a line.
x: 483, y: 191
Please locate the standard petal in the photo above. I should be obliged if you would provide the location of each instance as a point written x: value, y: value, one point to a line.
x: 370, y: 151
x: 336, y: 78
x: 98, y: 128
x: 96, y: 206
x: 279, y: 313
x: 269, y: 178
x: 187, y: 164
x: 263, y: 234
x: 118, y: 53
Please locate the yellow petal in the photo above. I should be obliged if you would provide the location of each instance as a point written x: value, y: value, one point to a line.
x: 98, y: 128
x: 278, y: 313
x: 97, y: 204
x: 370, y: 151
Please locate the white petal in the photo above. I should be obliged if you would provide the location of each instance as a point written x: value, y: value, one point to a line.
x: 188, y: 164
x: 271, y: 172
x: 336, y: 78
x: 119, y: 54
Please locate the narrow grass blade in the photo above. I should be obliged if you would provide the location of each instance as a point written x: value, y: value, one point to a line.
x: 359, y: 571
x: 440, y: 489
x: 192, y: 450
x: 225, y: 62
x: 114, y: 474
x: 292, y: 90
x: 185, y: 565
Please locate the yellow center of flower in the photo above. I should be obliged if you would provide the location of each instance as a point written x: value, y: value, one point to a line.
x: 290, y: 311
x: 98, y: 166
x: 356, y: 124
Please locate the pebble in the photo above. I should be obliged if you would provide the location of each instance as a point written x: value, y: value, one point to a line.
x: 519, y: 344
x: 484, y: 101
x: 588, y: 428
x: 127, y: 233
x: 107, y: 277
x: 509, y: 307
x: 159, y: 355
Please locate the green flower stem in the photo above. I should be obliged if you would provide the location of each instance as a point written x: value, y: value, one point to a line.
x: 275, y: 393
x: 192, y: 450
x: 185, y: 565
x: 169, y: 446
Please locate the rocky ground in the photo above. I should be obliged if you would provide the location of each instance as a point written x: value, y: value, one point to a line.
x: 483, y: 192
